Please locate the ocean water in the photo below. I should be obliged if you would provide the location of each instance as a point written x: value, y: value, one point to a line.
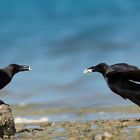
x: 59, y: 39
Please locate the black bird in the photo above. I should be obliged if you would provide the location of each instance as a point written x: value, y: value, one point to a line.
x: 121, y: 78
x: 7, y: 73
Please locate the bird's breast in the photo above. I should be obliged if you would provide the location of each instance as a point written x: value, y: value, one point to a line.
x: 4, y: 80
x: 114, y: 84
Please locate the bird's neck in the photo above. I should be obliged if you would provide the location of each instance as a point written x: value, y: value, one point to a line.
x: 103, y: 73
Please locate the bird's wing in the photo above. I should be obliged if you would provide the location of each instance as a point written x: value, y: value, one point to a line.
x: 126, y: 71
x: 123, y: 66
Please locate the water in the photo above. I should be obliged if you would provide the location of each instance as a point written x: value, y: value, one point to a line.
x: 59, y: 39
x: 74, y: 117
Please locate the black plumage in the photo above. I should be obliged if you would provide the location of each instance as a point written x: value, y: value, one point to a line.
x: 7, y: 73
x: 121, y: 78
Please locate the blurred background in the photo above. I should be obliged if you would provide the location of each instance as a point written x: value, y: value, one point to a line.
x: 59, y: 39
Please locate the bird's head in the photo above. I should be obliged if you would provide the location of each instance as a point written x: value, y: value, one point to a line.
x: 102, y: 68
x: 15, y: 68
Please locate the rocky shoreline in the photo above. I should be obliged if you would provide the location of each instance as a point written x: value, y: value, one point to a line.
x: 87, y: 130
x: 95, y: 129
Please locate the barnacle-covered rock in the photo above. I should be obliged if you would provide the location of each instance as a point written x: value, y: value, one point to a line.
x: 7, y: 125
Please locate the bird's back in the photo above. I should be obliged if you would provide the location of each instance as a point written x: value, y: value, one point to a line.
x: 123, y: 66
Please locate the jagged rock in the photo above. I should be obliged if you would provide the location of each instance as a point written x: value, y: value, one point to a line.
x: 7, y: 125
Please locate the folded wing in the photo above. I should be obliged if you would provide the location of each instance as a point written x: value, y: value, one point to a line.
x: 126, y: 71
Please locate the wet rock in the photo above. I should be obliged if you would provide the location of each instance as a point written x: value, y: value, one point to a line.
x: 7, y: 125
x: 103, y: 136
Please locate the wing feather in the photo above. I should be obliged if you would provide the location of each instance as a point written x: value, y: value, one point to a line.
x: 129, y: 72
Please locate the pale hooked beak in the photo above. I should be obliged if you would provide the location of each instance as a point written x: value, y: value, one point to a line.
x: 87, y: 71
x: 90, y: 69
x: 25, y: 68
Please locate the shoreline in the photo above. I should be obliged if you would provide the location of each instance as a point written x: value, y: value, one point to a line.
x: 121, y: 128
x: 92, y: 123
x: 56, y: 114
x: 98, y: 130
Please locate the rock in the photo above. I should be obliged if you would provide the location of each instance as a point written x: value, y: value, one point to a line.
x: 103, y: 136
x: 7, y: 125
